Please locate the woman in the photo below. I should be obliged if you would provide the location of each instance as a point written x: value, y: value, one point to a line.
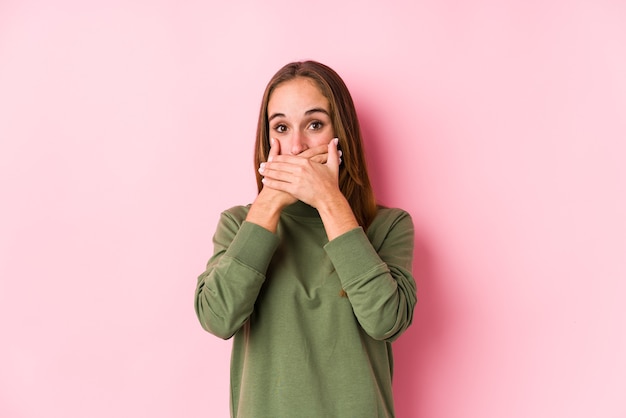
x: 312, y: 279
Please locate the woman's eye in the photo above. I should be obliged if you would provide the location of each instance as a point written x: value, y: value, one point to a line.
x: 316, y: 125
x: 280, y: 128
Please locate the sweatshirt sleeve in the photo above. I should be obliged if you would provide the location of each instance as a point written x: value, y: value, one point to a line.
x: 228, y: 288
x: 375, y: 272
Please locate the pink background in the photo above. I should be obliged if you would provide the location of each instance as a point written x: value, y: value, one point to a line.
x: 126, y: 127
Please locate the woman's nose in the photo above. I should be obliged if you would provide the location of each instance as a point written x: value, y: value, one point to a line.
x: 298, y: 143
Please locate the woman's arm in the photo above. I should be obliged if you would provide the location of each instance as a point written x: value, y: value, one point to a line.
x: 227, y: 290
x: 375, y: 271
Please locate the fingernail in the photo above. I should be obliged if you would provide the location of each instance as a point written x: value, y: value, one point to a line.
x: 262, y: 168
x: 272, y: 141
x: 336, y: 140
x: 270, y: 158
x: 340, y: 153
x: 340, y: 161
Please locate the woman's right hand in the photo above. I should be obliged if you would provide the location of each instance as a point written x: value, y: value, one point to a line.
x: 269, y: 195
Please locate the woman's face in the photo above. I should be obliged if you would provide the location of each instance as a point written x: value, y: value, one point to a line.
x: 299, y: 116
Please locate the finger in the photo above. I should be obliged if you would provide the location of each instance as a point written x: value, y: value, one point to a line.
x: 274, y: 149
x: 279, y: 170
x: 333, y: 155
x: 276, y: 184
x: 312, y: 152
x: 320, y: 158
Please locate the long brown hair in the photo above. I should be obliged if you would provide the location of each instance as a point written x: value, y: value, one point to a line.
x: 354, y: 181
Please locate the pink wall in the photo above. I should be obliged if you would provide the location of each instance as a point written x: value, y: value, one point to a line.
x: 499, y: 125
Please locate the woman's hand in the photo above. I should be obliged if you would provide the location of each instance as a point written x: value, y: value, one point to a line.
x: 269, y: 203
x: 311, y: 176
x: 266, y: 209
x: 278, y: 197
x: 315, y: 183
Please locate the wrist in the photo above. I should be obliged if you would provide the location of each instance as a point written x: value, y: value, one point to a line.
x: 265, y: 212
x: 337, y: 216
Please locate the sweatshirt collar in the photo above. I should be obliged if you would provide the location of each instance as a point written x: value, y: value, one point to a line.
x: 301, y: 209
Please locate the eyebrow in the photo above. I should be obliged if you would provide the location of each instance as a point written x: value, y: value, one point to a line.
x: 308, y: 112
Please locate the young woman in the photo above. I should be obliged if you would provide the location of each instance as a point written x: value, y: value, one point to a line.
x: 313, y: 279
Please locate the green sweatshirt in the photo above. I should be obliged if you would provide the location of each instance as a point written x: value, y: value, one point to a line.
x: 301, y: 349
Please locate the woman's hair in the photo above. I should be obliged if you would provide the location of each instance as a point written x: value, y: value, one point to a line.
x: 354, y: 182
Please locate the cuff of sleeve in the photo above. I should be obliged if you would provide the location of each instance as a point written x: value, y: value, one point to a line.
x: 253, y: 246
x: 352, y: 255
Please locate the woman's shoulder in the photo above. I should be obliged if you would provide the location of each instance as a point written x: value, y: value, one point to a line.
x: 388, y: 218
x: 237, y: 213
x: 385, y: 213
